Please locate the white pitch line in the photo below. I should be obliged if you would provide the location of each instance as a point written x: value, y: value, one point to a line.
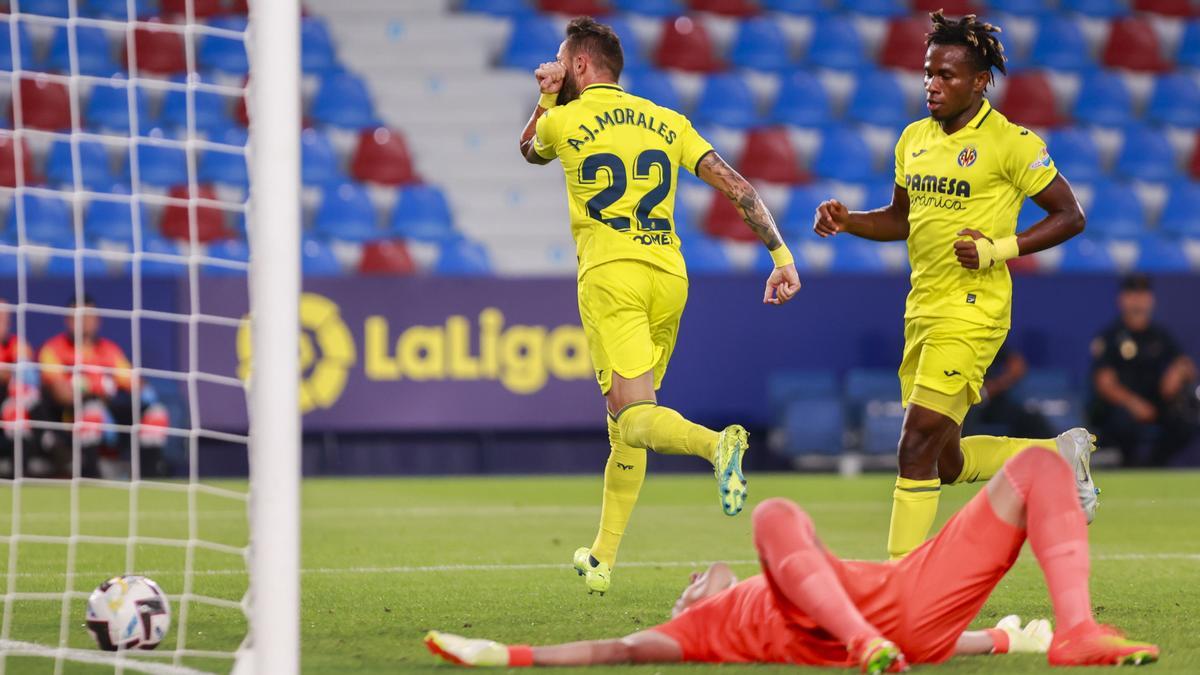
x: 18, y: 648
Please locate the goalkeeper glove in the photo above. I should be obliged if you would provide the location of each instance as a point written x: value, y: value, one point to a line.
x: 1009, y: 637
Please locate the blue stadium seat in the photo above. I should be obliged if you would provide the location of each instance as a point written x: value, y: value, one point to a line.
x: 91, y: 47
x: 94, y: 168
x: 1147, y: 155
x: 47, y: 219
x: 879, y: 99
x: 318, y: 161
x: 1118, y: 213
x: 317, y: 55
x: 885, y: 8
x: 117, y: 9
x: 318, y: 260
x: 1083, y: 254
x: 1176, y: 100
x: 855, y: 255
x: 1189, y: 46
x: 873, y: 404
x: 157, y: 268
x: 460, y: 257
x: 160, y: 165
x: 343, y: 100
x: 813, y: 426
x: 346, y: 213
x: 801, y: 7
x: 226, y: 54
x: 1075, y: 154
x: 24, y: 42
x: 1052, y: 393
x: 223, y: 166
x: 1100, y: 8
x: 1181, y: 215
x: 785, y: 386
x: 228, y: 249
x: 1030, y: 214
x: 705, y: 255
x: 1160, y: 254
x: 422, y: 213
x: 651, y: 7
x: 108, y: 108
x: 63, y: 266
x: 1060, y: 44
x: 802, y: 101
x: 836, y: 44
x: 113, y: 221
x: 533, y: 41
x: 499, y: 7
x: 210, y: 110
x: 685, y: 224
x: 1103, y: 99
x: 803, y: 200
x: 1020, y: 7
x: 58, y: 8
x: 726, y: 101
x: 844, y: 156
x: 760, y: 44
x: 656, y: 86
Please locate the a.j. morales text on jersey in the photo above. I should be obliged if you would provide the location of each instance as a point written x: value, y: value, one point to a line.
x: 618, y: 116
x: 935, y: 187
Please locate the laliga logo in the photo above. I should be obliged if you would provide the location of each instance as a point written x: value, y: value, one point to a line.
x: 326, y: 352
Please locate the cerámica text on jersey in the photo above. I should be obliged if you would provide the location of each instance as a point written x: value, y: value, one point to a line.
x: 622, y: 116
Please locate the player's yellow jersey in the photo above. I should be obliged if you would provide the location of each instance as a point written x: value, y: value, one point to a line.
x: 975, y: 178
x: 620, y: 154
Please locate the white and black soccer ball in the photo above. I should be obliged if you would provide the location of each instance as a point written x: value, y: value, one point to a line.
x: 128, y: 612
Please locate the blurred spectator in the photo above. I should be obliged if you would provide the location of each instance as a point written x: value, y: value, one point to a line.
x: 18, y: 391
x: 1001, y: 413
x: 1144, y: 398
x: 97, y: 397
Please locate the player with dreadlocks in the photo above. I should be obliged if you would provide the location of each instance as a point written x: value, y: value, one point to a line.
x: 961, y: 176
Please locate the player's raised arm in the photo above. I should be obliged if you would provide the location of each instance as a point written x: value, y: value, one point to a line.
x: 889, y: 223
x: 550, y: 79
x: 783, y: 282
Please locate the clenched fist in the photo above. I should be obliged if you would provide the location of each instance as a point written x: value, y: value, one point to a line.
x: 550, y: 76
x: 831, y: 218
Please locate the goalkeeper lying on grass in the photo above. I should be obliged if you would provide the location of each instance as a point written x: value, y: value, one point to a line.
x: 810, y: 607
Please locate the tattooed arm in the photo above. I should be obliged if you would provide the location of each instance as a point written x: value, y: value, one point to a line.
x: 714, y: 171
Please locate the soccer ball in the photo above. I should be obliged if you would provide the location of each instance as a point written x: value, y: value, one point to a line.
x: 128, y: 612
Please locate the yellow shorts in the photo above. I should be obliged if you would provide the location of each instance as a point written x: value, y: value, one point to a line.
x: 944, y: 355
x: 630, y: 312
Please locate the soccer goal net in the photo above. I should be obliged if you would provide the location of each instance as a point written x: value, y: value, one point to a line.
x: 149, y: 196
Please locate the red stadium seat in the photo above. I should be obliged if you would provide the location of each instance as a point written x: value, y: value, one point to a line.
x: 387, y: 257
x: 1184, y: 8
x: 210, y: 221
x: 1195, y: 164
x: 1134, y: 45
x: 949, y: 7
x: 242, y: 8
x: 685, y: 45
x: 159, y: 51
x: 44, y: 104
x: 575, y: 7
x: 1029, y: 101
x: 741, y: 8
x: 241, y: 114
x: 382, y: 157
x: 724, y: 221
x: 8, y: 162
x: 1026, y: 264
x: 203, y: 9
x: 904, y: 46
x: 769, y: 155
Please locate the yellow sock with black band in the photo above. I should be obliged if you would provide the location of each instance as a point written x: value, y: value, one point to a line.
x: 623, y: 478
x: 983, y: 456
x: 645, y: 424
x: 914, y: 507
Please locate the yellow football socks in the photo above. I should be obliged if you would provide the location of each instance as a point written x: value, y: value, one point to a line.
x: 647, y: 425
x: 623, y: 476
x: 914, y: 506
x: 984, y: 455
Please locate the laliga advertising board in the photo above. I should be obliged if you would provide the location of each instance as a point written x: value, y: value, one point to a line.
x: 459, y: 356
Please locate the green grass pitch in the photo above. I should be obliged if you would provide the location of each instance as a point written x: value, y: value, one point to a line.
x: 387, y: 559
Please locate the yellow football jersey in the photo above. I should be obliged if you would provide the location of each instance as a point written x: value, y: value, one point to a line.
x: 620, y: 154
x: 975, y: 178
